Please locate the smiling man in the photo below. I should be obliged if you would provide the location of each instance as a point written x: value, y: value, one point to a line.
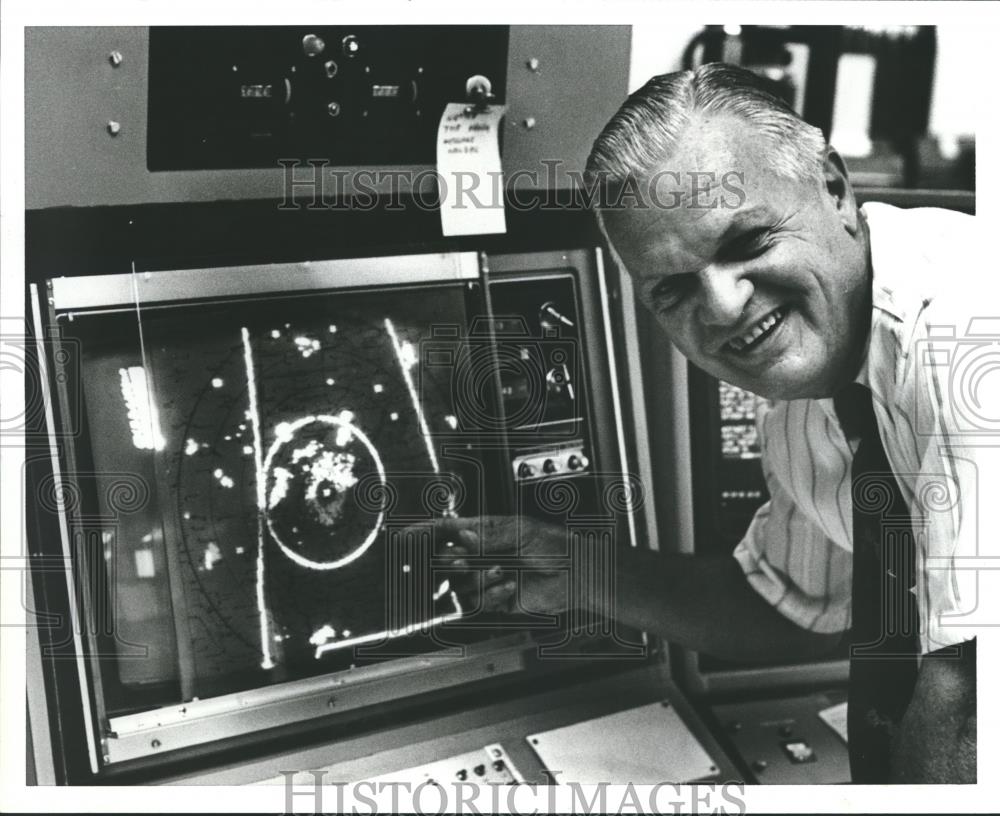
x: 826, y: 311
x: 769, y: 295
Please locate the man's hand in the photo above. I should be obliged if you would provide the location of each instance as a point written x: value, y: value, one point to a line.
x: 518, y: 564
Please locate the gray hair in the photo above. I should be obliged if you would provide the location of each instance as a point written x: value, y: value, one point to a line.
x: 644, y: 132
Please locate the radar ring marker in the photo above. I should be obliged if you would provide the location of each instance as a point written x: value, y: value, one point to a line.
x: 283, y: 437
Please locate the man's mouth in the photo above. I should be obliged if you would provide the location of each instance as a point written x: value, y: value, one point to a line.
x: 758, y: 333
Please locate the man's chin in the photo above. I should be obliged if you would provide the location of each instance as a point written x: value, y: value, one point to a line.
x: 782, y: 385
x: 795, y: 390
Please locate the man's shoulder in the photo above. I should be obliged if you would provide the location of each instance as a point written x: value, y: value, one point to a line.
x: 928, y: 282
x: 924, y: 261
x: 923, y: 250
x: 888, y: 217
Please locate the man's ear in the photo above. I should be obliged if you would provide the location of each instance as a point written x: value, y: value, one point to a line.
x: 838, y: 188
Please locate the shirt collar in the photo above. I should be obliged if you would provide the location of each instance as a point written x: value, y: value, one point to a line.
x: 895, y: 259
x: 893, y: 253
x: 882, y: 298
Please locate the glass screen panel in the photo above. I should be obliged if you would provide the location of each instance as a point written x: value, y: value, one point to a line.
x: 280, y: 442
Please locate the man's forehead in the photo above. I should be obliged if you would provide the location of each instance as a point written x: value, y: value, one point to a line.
x: 716, y: 183
x: 720, y: 146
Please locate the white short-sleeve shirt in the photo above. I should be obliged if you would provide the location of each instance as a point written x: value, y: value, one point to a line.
x: 933, y: 366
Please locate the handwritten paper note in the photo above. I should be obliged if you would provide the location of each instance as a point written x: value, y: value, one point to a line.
x: 469, y: 175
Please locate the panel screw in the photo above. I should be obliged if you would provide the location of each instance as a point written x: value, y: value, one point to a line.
x: 529, y: 123
x: 115, y: 58
x: 333, y: 109
x: 533, y: 64
x: 155, y: 743
x: 114, y: 128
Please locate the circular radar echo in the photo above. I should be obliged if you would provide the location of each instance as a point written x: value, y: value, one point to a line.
x: 310, y: 473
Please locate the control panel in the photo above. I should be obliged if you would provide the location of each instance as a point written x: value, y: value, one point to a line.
x: 566, y: 461
x: 540, y: 358
x: 797, y: 740
x: 241, y: 97
x: 489, y: 765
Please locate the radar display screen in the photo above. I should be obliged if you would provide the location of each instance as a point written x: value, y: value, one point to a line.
x: 279, y: 444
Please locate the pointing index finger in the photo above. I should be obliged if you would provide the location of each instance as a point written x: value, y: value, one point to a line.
x: 487, y: 533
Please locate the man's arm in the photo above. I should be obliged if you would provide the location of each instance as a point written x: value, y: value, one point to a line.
x: 936, y: 742
x: 706, y: 603
x: 698, y: 602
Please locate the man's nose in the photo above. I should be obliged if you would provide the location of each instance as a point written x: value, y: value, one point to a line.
x: 725, y: 293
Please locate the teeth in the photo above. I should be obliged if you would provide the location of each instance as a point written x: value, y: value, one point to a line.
x: 740, y: 343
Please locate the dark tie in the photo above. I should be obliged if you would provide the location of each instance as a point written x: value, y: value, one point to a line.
x: 884, y: 627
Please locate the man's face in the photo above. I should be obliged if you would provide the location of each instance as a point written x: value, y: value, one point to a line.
x: 768, y: 293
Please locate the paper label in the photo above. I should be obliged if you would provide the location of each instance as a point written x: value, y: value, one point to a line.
x: 470, y: 178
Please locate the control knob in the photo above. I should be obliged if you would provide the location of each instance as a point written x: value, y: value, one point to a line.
x: 312, y: 45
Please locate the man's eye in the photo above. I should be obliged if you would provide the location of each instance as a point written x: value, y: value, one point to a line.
x: 749, y: 245
x: 671, y: 291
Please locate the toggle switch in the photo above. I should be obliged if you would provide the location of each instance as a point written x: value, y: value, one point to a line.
x: 478, y: 89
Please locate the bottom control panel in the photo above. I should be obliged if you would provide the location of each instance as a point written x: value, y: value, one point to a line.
x: 798, y: 740
x: 489, y: 765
